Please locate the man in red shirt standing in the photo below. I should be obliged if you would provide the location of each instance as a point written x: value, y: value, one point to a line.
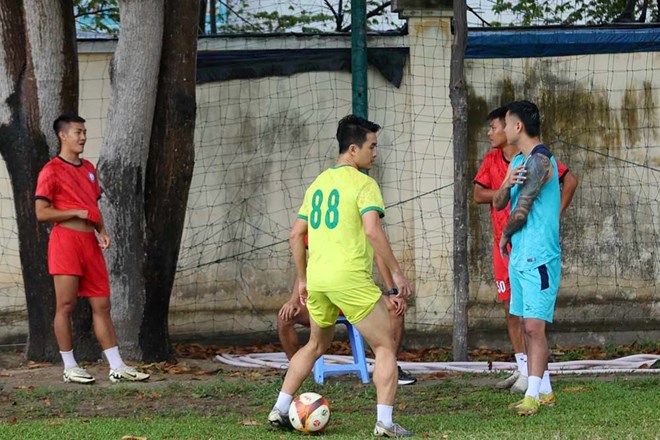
x: 67, y: 194
x: 486, y: 183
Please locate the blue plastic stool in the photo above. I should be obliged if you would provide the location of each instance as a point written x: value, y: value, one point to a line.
x: 359, y: 366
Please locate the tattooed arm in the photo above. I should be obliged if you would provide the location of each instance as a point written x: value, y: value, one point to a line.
x: 513, y: 177
x: 539, y: 170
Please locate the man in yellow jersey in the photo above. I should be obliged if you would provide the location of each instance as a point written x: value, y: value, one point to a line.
x: 341, y: 214
x: 294, y: 313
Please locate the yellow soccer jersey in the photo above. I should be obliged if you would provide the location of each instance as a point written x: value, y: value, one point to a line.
x: 340, y: 255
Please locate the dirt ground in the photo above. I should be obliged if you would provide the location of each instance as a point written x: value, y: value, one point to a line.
x: 16, y: 373
x: 194, y: 364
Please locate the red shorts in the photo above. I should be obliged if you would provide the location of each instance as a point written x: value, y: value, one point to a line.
x: 78, y: 253
x: 501, y: 272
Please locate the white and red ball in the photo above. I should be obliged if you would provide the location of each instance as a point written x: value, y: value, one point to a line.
x: 309, y: 413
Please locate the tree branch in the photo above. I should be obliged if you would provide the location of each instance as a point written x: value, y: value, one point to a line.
x: 329, y: 5
x: 370, y: 14
x: 478, y: 16
x: 100, y: 11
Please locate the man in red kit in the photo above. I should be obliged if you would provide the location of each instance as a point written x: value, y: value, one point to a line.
x: 67, y: 195
x: 486, y: 183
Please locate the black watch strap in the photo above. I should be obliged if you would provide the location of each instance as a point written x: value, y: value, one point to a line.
x: 394, y: 291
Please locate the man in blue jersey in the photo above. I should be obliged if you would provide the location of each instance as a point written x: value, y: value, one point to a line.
x: 532, y: 187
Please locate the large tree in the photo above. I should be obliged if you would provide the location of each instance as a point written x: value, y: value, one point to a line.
x: 169, y: 173
x: 40, y: 74
x: 146, y: 162
x: 146, y: 166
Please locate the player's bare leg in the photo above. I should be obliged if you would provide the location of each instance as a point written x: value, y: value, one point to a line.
x: 537, y: 362
x: 299, y: 369
x: 288, y: 334
x: 103, y: 327
x: 376, y: 330
x: 303, y: 361
x: 105, y: 334
x: 537, y: 346
x: 397, y: 324
x: 515, y: 329
x: 66, y: 296
x: 517, y: 382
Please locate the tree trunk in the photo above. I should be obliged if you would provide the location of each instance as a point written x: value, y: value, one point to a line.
x: 52, y: 34
x: 628, y: 13
x: 169, y: 173
x: 642, y: 14
x: 458, y: 97
x: 123, y: 161
x: 24, y: 149
x: 51, y: 31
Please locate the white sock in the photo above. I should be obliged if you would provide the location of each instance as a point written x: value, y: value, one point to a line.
x: 384, y: 414
x: 533, y: 386
x: 521, y: 362
x: 283, y: 403
x: 114, y: 359
x: 546, y: 387
x: 68, y: 359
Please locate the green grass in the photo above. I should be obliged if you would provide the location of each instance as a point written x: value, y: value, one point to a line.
x: 236, y: 408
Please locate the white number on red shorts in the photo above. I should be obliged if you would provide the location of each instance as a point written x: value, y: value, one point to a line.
x: 501, y: 286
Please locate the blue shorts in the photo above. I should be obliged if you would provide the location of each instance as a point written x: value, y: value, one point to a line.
x: 534, y: 291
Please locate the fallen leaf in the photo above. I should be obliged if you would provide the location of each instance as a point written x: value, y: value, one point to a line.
x: 24, y: 387
x: 13, y: 421
x: 33, y: 364
x: 132, y: 437
x: 250, y: 423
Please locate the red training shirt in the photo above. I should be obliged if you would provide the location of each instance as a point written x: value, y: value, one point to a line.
x: 69, y: 186
x: 491, y: 175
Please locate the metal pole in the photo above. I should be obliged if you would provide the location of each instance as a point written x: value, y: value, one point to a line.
x: 359, y: 57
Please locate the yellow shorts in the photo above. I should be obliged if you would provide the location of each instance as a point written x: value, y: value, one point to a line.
x: 355, y: 304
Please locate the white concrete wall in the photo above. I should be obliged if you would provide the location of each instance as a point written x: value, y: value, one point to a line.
x: 260, y: 142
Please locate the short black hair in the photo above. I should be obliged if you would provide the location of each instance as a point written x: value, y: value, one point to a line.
x: 64, y: 120
x: 498, y: 113
x: 354, y: 130
x: 529, y: 115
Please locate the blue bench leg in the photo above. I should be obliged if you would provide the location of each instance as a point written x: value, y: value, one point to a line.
x: 318, y: 370
x: 359, y: 357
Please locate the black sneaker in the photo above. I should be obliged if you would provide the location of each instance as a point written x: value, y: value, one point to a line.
x: 406, y: 378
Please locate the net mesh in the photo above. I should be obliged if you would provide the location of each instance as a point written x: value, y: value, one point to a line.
x: 261, y: 141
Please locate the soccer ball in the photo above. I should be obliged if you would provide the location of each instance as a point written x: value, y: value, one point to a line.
x: 309, y: 413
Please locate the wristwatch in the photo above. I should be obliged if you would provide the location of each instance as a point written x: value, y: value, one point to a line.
x: 394, y: 291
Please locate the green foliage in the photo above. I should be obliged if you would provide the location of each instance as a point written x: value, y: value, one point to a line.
x: 101, y: 16
x: 336, y: 16
x: 549, y: 12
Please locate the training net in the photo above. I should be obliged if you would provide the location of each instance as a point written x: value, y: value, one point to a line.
x: 263, y: 135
